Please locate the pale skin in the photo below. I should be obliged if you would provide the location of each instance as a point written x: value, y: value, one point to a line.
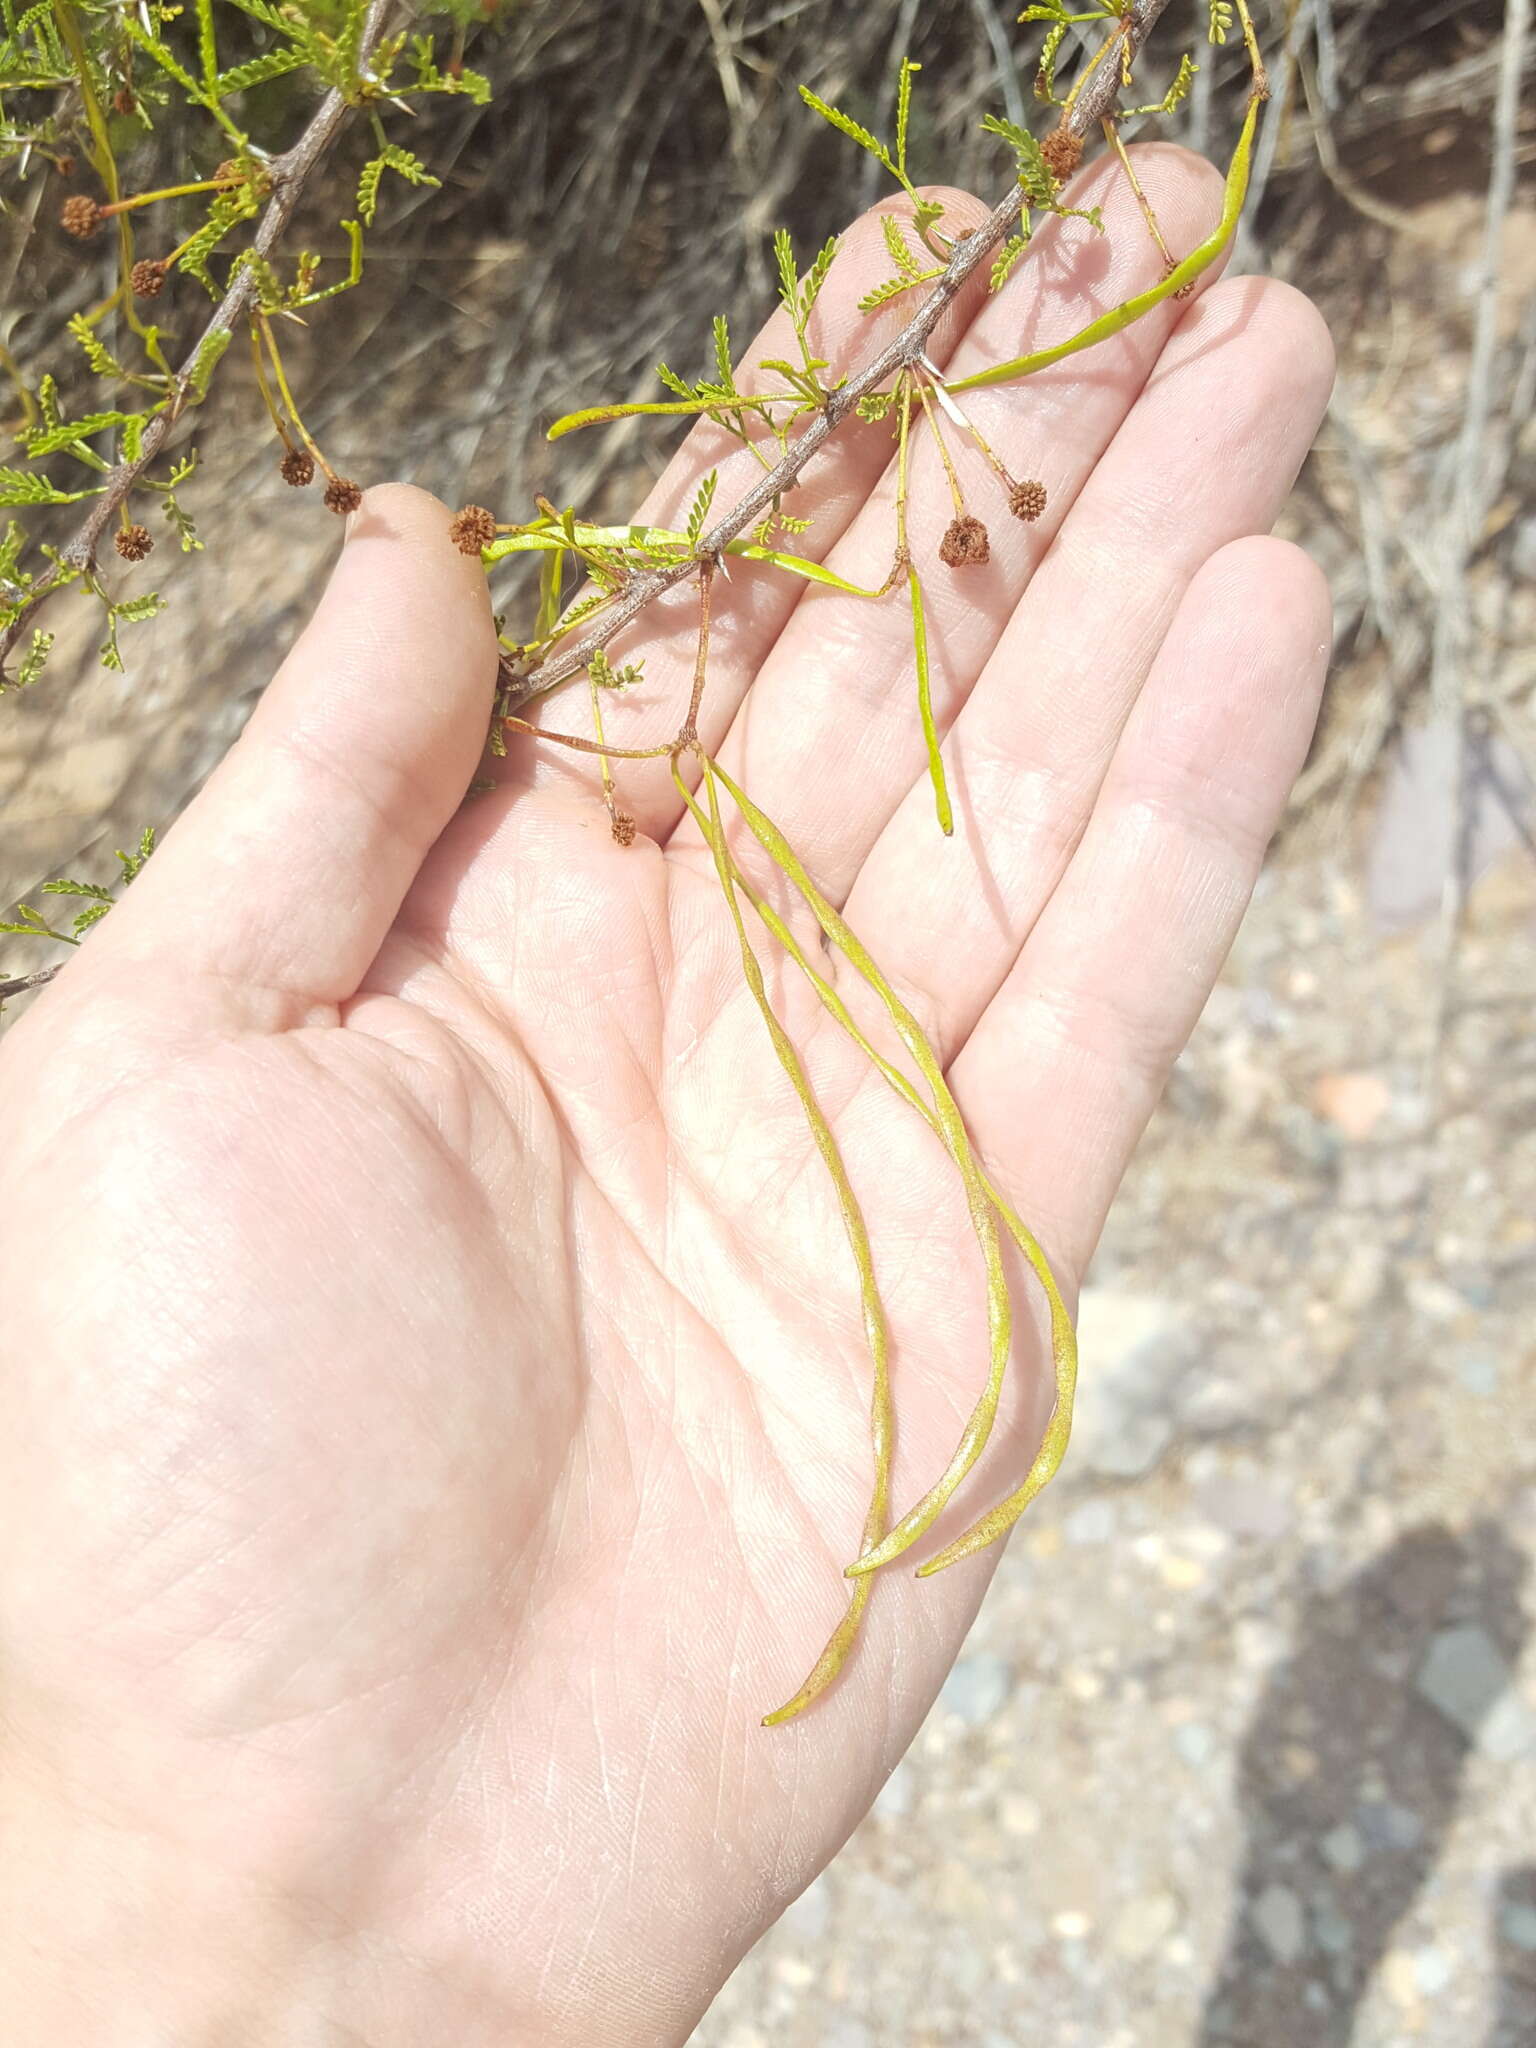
x: 433, y: 1420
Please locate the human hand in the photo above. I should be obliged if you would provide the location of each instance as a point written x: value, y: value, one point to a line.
x: 434, y: 1413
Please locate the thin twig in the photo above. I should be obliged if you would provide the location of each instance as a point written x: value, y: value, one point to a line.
x: 289, y: 173
x: 1095, y: 100
x: 22, y: 982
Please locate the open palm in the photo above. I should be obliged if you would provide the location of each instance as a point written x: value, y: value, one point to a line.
x: 434, y: 1417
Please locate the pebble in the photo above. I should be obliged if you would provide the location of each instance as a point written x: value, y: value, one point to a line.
x: 1432, y: 1970
x: 1509, y: 1732
x: 1195, y: 1743
x: 1276, y: 1913
x: 1400, y: 1974
x: 1478, y: 1372
x: 1142, y: 1925
x: 1019, y: 1815
x: 1517, y: 1924
x: 1343, y: 1848
x: 1463, y: 1675
x: 1071, y: 1926
x: 977, y: 1688
x: 1385, y: 1825
x: 1182, y: 1573
x: 1353, y: 1103
x: 1334, y: 1933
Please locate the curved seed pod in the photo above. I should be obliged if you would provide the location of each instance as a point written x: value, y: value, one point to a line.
x: 1182, y: 274
x: 835, y: 1654
x: 951, y: 1129
x: 1047, y: 1461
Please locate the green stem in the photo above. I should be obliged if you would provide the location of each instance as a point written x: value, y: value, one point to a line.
x: 936, y: 775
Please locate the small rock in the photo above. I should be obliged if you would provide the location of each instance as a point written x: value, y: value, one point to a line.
x: 1478, y: 1372
x: 1462, y: 1676
x: 1363, y: 1275
x: 795, y: 1972
x: 1432, y: 1970
x: 1343, y: 1847
x: 1195, y: 1743
x: 1276, y: 1913
x: 1509, y: 1732
x: 1353, y: 1103
x: 977, y: 1688
x: 1517, y: 1924
x: 1071, y: 1926
x: 1401, y: 1977
x: 1183, y: 1574
x: 1142, y: 1925
x: 1332, y: 1931
x: 1385, y: 1825
x: 1019, y: 1815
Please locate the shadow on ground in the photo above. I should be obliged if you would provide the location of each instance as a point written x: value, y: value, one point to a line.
x: 1349, y: 1779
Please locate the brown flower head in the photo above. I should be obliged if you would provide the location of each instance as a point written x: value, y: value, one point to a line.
x: 1063, y: 152
x: 623, y: 828
x: 132, y: 542
x: 1026, y: 500
x: 148, y: 277
x: 64, y: 165
x: 229, y: 172
x: 965, y: 542
x: 472, y: 529
x: 81, y: 216
x: 123, y: 101
x: 342, y: 495
x: 297, y: 468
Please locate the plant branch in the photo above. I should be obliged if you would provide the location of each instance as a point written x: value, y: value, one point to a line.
x: 22, y: 982
x: 289, y: 174
x: 1095, y: 100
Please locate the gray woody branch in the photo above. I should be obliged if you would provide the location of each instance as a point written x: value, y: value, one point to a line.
x: 1093, y: 103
